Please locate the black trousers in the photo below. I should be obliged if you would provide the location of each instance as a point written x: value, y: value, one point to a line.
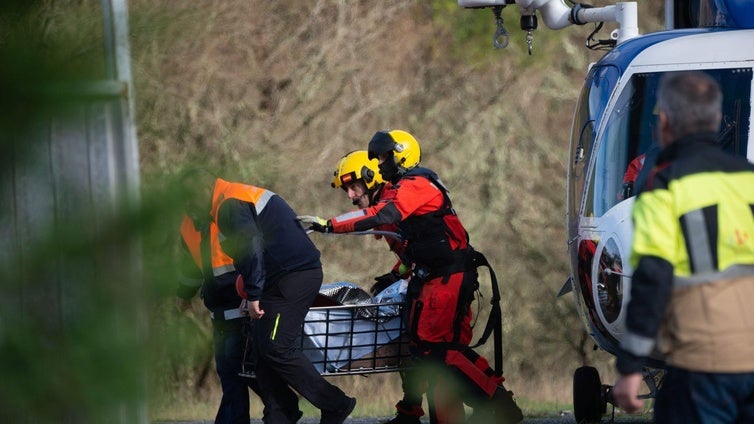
x: 280, y: 364
x: 229, y: 348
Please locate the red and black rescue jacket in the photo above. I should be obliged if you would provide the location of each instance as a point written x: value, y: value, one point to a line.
x: 420, y: 205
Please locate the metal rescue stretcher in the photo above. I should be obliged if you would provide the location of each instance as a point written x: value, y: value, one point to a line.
x: 347, y: 332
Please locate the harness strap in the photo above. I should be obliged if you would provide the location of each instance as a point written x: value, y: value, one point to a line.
x: 463, y: 261
x: 495, y: 319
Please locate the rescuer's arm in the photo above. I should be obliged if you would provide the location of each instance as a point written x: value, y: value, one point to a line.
x: 244, y: 243
x: 653, y: 250
x: 413, y: 196
x: 651, y: 286
x: 395, y: 204
x: 358, y: 220
x: 653, y: 253
x: 650, y: 293
x: 626, y: 392
x: 365, y: 219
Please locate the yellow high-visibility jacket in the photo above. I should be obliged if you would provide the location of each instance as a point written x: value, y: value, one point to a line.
x: 693, y: 256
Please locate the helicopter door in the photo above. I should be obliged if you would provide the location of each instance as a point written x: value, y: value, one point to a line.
x: 595, y: 94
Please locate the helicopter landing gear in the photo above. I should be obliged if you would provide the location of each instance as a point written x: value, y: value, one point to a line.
x: 589, y: 395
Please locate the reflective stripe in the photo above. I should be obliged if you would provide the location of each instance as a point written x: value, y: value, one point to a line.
x: 275, y: 328
x: 698, y: 241
x: 637, y: 345
x: 350, y: 215
x: 190, y: 282
x: 229, y: 314
x: 221, y: 262
x: 733, y: 271
x: 260, y: 203
x: 222, y: 269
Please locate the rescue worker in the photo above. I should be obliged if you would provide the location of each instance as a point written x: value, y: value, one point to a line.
x: 693, y: 256
x: 360, y: 178
x: 247, y: 244
x: 442, y: 285
x: 219, y: 295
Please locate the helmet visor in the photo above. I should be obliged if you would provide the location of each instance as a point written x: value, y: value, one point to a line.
x: 389, y: 169
x: 381, y: 144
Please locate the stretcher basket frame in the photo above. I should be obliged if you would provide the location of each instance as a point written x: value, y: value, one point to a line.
x: 342, y: 331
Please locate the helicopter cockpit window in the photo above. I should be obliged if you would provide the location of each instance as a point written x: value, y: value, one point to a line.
x: 626, y: 149
x: 592, y: 102
x: 630, y: 132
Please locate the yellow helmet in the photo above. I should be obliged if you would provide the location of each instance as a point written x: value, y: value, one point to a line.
x: 405, y: 148
x: 356, y: 166
x: 406, y: 153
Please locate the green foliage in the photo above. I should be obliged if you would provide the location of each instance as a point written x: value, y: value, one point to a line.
x: 71, y: 341
x: 466, y: 36
x: 72, y: 344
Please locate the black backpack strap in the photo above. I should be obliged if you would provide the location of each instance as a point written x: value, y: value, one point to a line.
x: 495, y: 319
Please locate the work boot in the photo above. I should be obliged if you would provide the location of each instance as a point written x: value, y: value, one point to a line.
x: 506, y: 410
x: 500, y: 409
x: 338, y: 416
x: 406, y: 414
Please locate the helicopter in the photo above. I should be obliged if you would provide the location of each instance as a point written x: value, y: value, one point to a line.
x: 613, y: 145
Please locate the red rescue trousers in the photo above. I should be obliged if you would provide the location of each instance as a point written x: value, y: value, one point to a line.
x: 440, y: 328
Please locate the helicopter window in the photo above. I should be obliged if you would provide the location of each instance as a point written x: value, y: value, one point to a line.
x: 593, y: 100
x: 700, y: 13
x: 630, y: 133
x: 734, y: 128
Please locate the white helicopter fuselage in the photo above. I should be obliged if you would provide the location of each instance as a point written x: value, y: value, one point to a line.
x: 614, y: 123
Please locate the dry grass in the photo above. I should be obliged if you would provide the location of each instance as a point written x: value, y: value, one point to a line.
x: 274, y: 93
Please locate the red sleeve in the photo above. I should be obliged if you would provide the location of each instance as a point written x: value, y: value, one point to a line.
x: 412, y: 196
x: 634, y: 168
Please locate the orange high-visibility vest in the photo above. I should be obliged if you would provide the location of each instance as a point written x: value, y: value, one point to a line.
x: 221, y: 262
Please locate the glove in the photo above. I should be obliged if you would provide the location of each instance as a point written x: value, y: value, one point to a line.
x: 383, y: 282
x: 315, y: 223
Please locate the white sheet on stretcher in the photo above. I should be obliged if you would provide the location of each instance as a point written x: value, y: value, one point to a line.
x: 344, y: 343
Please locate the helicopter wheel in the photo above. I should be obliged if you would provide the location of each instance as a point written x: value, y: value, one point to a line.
x: 588, y: 400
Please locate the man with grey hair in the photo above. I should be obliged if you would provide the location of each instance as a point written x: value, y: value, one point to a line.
x: 693, y: 256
